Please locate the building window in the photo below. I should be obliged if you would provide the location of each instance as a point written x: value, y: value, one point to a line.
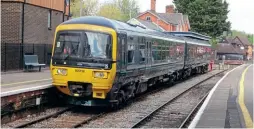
x: 148, y: 18
x: 49, y: 19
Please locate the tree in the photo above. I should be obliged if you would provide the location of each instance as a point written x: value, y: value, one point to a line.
x: 110, y: 10
x: 214, y: 42
x: 251, y: 38
x: 84, y: 7
x: 182, y: 5
x: 128, y: 8
x: 121, y: 10
x: 208, y: 17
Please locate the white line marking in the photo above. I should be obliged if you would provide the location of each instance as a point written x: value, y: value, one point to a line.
x: 13, y: 92
x: 201, y: 110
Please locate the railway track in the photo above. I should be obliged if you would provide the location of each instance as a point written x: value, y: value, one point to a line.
x: 162, y: 115
x: 188, y: 119
x: 66, y: 118
x: 23, y: 125
x: 79, y: 120
x: 74, y: 120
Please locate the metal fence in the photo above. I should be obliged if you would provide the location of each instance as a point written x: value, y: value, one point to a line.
x: 12, y: 54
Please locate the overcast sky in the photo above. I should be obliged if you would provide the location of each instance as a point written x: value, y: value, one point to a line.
x: 241, y: 13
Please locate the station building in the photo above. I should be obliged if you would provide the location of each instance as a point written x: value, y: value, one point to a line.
x: 235, y: 47
x: 27, y: 27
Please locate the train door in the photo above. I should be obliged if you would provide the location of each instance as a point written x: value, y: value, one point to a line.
x: 122, y: 52
x: 186, y: 54
x: 148, y: 53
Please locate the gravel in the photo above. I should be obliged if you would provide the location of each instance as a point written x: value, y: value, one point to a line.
x: 65, y: 120
x: 128, y: 116
x: 172, y: 115
x: 31, y: 117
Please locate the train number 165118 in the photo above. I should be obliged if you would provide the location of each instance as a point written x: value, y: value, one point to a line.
x: 79, y: 70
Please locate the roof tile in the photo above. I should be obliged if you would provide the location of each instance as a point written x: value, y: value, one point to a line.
x: 228, y: 48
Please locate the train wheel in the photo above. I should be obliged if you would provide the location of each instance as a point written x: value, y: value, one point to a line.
x: 202, y: 69
x: 121, y: 100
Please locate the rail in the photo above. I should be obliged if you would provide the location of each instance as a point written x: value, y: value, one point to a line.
x: 140, y: 122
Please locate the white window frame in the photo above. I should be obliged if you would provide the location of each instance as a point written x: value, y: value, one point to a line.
x: 148, y: 17
x: 49, y: 19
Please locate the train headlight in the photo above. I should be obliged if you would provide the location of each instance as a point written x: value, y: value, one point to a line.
x: 61, y: 72
x: 100, y: 75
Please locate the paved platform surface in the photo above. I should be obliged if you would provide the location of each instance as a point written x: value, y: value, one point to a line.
x: 18, y: 82
x: 230, y: 103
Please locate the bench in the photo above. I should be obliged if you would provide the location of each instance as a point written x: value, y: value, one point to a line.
x: 32, y: 61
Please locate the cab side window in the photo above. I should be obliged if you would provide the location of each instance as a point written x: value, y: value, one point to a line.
x: 131, y: 50
x: 141, y: 50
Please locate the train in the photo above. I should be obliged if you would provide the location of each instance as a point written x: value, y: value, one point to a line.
x: 98, y: 61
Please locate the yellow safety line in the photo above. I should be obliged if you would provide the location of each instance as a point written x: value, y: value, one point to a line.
x: 25, y: 82
x: 246, y: 114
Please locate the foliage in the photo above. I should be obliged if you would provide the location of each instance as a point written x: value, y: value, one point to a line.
x: 251, y: 38
x: 213, y: 42
x: 115, y: 9
x: 206, y: 16
x: 89, y: 7
x: 121, y: 10
x: 110, y: 10
x: 128, y: 8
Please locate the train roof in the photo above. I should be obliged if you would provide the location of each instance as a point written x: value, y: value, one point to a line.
x: 122, y: 26
x: 191, y: 34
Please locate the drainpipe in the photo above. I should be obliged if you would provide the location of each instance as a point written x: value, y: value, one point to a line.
x: 69, y: 9
x: 22, y: 34
x: 64, y: 9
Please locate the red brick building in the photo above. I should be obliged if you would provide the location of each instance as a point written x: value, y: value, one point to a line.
x: 27, y: 27
x: 168, y: 21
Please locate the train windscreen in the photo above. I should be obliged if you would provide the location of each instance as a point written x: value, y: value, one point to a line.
x: 82, y: 48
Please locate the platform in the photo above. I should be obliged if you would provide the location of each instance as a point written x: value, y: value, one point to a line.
x: 230, y: 102
x: 14, y: 83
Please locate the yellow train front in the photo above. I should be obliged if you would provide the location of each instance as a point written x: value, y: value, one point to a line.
x: 98, y: 61
x: 82, y: 64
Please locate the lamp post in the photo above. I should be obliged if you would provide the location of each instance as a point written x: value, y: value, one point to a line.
x: 130, y: 8
x: 81, y: 5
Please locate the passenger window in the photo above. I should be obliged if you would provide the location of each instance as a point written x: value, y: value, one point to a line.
x: 130, y: 56
x: 131, y: 49
x: 155, y: 52
x: 142, y: 53
x: 172, y: 50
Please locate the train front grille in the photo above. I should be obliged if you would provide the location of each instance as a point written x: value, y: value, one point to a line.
x: 80, y: 89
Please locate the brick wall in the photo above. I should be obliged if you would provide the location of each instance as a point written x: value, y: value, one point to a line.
x: 153, y: 5
x: 37, y: 37
x: 161, y: 23
x: 36, y: 24
x: 11, y: 22
x: 165, y: 26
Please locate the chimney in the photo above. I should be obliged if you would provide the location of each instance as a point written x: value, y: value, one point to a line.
x: 170, y: 9
x: 153, y: 5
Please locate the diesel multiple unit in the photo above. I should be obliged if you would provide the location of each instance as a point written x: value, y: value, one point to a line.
x: 99, y: 61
